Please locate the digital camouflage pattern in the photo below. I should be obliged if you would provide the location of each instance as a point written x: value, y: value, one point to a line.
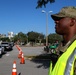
x: 66, y: 12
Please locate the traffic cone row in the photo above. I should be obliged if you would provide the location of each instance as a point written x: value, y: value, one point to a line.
x: 20, y: 51
x: 21, y: 55
x: 18, y: 47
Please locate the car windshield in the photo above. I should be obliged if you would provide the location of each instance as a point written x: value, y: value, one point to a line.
x: 4, y: 43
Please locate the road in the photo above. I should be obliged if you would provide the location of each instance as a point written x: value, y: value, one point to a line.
x: 31, y: 67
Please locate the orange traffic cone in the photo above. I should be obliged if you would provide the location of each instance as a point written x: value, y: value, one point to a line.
x: 18, y: 47
x: 20, y: 54
x: 14, y: 71
x: 22, y: 59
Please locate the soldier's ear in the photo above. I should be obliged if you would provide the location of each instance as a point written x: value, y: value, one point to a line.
x: 72, y: 22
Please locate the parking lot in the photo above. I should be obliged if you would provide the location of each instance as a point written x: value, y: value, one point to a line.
x: 31, y: 67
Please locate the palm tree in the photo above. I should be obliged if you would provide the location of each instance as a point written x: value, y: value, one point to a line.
x: 41, y: 3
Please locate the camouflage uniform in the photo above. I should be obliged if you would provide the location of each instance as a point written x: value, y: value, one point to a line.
x: 65, y: 12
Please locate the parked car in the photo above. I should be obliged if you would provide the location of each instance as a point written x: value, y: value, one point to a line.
x: 12, y: 44
x: 1, y: 50
x: 6, y: 45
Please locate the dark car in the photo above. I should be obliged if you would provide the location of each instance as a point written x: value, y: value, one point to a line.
x: 7, y: 46
x: 12, y: 44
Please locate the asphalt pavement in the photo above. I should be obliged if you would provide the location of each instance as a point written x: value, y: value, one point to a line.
x: 31, y: 67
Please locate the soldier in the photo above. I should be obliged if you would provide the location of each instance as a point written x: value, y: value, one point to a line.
x: 65, y: 25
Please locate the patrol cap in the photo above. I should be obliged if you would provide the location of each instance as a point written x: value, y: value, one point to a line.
x: 69, y: 11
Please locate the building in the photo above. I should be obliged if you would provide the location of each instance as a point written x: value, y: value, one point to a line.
x: 10, y: 35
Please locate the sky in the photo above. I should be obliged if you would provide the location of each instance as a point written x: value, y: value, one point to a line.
x: 22, y: 16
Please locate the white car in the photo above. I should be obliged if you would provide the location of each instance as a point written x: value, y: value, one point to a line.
x: 1, y: 50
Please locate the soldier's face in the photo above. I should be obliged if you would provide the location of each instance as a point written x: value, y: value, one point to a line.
x: 62, y: 25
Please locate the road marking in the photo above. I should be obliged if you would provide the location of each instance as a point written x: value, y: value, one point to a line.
x: 7, y: 54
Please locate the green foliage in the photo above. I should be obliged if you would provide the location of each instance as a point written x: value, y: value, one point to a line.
x: 34, y: 36
x: 53, y: 37
x: 15, y: 38
x: 22, y: 37
x: 5, y: 39
x: 41, y: 3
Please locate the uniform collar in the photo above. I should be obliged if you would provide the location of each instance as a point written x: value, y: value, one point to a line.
x: 68, y: 44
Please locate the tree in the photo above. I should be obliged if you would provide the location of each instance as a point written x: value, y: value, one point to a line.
x: 20, y: 37
x: 5, y: 39
x: 41, y: 3
x: 53, y: 37
x: 34, y: 36
x: 15, y: 38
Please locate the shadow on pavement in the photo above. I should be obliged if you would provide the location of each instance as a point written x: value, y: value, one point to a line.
x: 42, y: 60
x: 0, y: 56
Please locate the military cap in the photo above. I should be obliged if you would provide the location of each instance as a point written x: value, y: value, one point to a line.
x: 69, y: 11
